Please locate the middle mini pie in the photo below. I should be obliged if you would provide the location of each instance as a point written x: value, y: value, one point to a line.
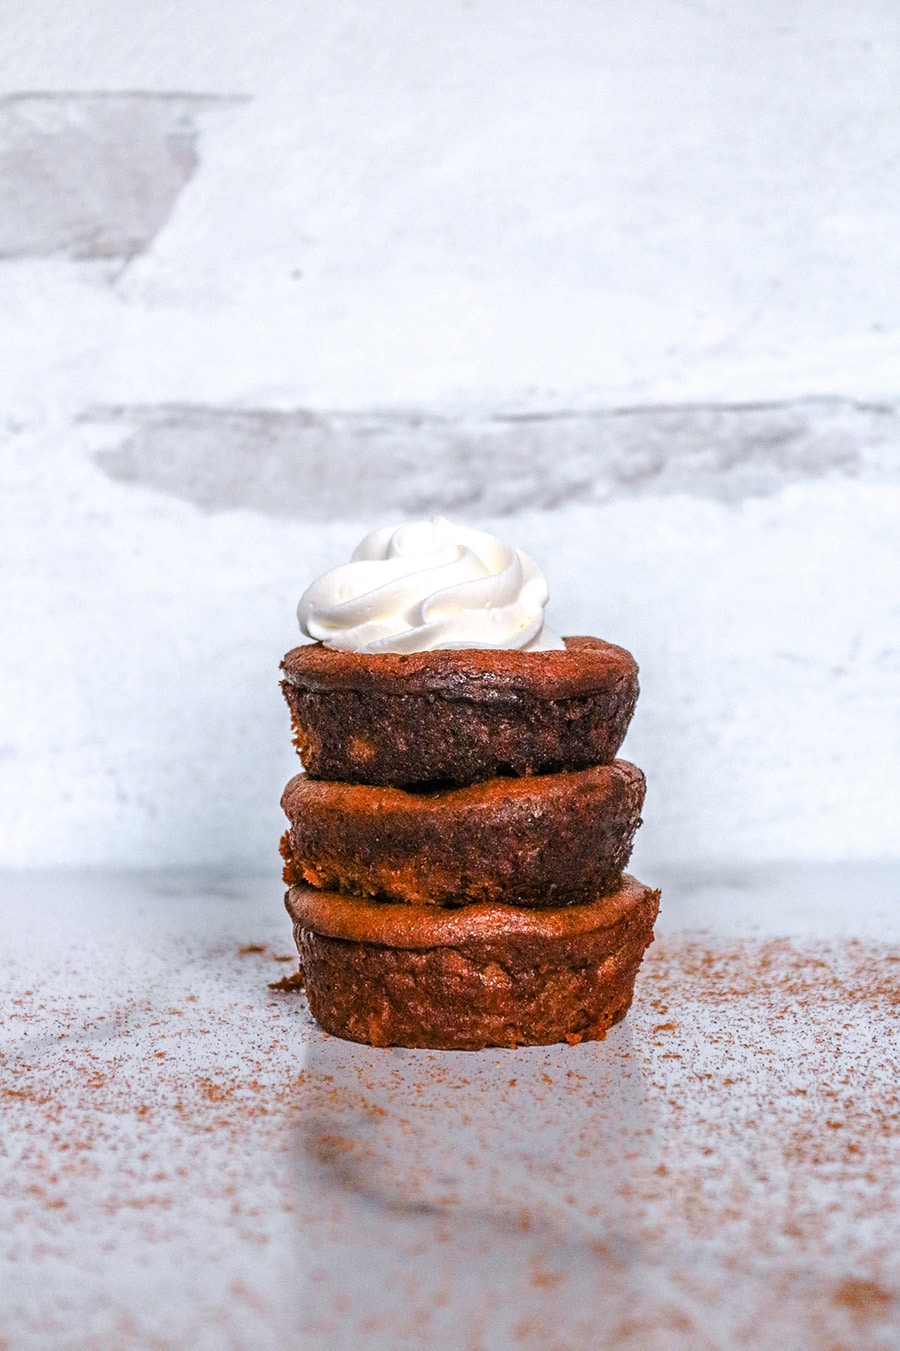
x: 543, y: 841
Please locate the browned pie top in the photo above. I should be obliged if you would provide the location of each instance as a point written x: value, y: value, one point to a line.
x: 362, y: 920
x: 472, y: 674
x: 323, y: 795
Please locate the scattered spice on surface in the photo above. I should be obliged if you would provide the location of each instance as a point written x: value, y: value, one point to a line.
x: 290, y: 983
x: 723, y: 1170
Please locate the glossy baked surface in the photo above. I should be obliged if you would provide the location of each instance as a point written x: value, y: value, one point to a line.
x: 542, y: 840
x: 584, y: 666
x: 463, y: 979
x: 458, y: 716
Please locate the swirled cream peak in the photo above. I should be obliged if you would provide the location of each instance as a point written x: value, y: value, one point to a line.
x: 427, y: 585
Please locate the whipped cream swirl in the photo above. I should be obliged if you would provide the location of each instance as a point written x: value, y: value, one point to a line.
x: 427, y: 585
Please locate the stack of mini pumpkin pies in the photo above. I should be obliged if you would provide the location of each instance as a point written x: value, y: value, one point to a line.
x: 457, y: 842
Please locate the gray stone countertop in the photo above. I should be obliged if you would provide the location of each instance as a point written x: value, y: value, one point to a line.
x: 187, y: 1161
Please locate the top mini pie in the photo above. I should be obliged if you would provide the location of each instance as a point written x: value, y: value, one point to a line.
x: 458, y: 716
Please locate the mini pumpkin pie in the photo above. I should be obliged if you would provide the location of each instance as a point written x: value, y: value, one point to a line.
x: 543, y: 841
x: 459, y: 715
x: 456, y: 844
x: 480, y: 975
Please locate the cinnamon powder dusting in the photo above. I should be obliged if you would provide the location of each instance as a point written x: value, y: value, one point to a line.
x: 723, y: 1170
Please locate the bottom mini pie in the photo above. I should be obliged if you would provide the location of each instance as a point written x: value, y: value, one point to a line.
x: 476, y: 975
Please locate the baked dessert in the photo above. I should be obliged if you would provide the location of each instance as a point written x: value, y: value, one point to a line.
x: 546, y: 840
x: 480, y: 975
x: 458, y: 716
x: 456, y: 844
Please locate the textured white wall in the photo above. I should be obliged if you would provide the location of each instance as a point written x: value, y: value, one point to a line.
x: 619, y: 282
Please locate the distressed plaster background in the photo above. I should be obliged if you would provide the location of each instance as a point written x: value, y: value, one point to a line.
x: 622, y: 282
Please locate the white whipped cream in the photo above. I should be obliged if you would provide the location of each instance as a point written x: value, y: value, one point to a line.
x: 427, y: 585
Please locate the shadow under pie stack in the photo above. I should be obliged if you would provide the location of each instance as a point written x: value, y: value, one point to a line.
x: 456, y: 845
